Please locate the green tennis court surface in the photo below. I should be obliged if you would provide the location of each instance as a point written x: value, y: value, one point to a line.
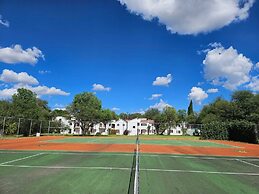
x: 174, y: 142
x: 76, y: 172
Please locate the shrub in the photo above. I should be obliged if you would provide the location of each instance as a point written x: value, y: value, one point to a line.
x: 112, y: 131
x: 243, y: 131
x: 215, y: 130
x: 126, y: 132
x: 98, y: 134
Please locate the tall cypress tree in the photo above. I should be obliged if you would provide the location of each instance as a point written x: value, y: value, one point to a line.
x: 190, y: 109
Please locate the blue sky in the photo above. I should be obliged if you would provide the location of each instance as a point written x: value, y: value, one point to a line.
x: 124, y: 46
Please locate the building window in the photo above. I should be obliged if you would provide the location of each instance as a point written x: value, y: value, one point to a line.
x: 133, y: 127
x: 118, y: 124
x: 143, y: 124
x: 138, y: 124
x: 123, y: 125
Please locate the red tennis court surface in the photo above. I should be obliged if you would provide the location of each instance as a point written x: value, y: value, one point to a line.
x: 41, y: 143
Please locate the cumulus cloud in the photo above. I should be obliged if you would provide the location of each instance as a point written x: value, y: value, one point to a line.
x: 50, y: 91
x: 155, y: 96
x: 7, y: 93
x: 23, y: 80
x: 257, y: 66
x: 190, y: 16
x: 254, y: 84
x: 197, y: 95
x: 226, y: 67
x: 100, y: 87
x: 213, y: 90
x: 163, y: 81
x: 9, y: 76
x: 160, y: 105
x: 15, y: 54
x: 4, y: 22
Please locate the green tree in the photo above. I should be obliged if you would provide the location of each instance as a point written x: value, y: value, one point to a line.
x: 190, y: 109
x: 155, y: 115
x: 169, y: 118
x: 124, y: 116
x: 5, y: 108
x: 107, y: 115
x: 181, y: 115
x: 25, y: 104
x: 86, y: 107
x: 219, y: 110
x: 245, y: 105
x: 57, y: 112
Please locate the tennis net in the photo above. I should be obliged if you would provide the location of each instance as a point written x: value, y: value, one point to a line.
x: 134, y: 176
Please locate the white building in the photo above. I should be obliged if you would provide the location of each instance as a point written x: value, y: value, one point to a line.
x: 69, y: 126
x: 176, y: 130
x: 119, y: 127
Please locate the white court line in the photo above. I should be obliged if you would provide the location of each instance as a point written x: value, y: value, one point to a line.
x: 72, y: 153
x: 251, y: 164
x: 19, y: 159
x: 202, y: 172
x: 128, y: 169
x: 142, y: 155
x: 66, y: 167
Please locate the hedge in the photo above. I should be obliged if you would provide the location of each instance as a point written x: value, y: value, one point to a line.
x: 243, y: 131
x: 215, y: 130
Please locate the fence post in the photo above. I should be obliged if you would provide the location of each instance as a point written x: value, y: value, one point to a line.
x: 3, y: 126
x: 30, y: 128
x: 40, y: 126
x: 49, y: 127
x: 18, y: 129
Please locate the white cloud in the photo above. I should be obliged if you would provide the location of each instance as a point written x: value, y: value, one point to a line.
x: 39, y: 90
x: 16, y: 54
x: 44, y: 72
x: 160, y: 105
x: 197, y: 95
x: 191, y: 16
x: 163, y: 81
x: 257, y: 66
x: 44, y: 90
x: 59, y: 107
x: 9, y: 76
x: 213, y: 90
x: 4, y: 22
x: 7, y: 93
x: 254, y: 84
x: 100, y: 87
x: 155, y: 96
x: 23, y: 80
x: 115, y: 109
x: 226, y: 67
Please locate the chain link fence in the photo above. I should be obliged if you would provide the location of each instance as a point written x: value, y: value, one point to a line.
x: 13, y: 126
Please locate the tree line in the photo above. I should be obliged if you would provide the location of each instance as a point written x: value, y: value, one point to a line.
x: 88, y: 110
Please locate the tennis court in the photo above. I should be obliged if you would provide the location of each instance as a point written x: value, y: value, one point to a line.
x: 41, y: 171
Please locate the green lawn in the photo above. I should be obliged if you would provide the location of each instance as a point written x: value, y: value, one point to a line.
x: 68, y: 172
x: 125, y: 140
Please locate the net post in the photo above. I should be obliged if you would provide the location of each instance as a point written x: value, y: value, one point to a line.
x: 18, y: 127
x: 49, y: 128
x: 40, y: 126
x: 3, y: 125
x: 30, y: 128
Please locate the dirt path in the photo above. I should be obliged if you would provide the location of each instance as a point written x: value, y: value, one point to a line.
x: 39, y: 143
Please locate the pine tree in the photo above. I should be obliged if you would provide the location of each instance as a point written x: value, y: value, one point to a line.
x: 190, y: 109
